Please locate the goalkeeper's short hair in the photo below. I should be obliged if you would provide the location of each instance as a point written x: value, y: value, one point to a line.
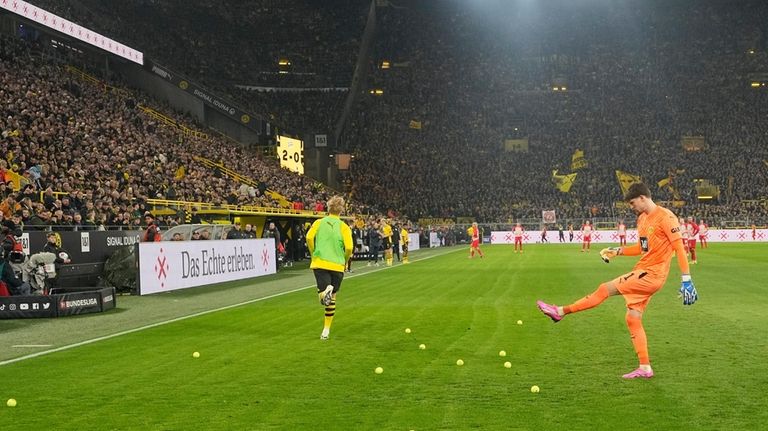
x: 636, y: 190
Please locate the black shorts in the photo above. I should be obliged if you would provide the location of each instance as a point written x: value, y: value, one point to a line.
x: 324, y: 277
x: 387, y: 243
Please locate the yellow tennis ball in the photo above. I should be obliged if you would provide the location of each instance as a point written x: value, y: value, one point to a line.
x: 378, y: 370
x: 507, y: 364
x: 196, y: 355
x: 422, y: 346
x: 407, y: 330
x: 11, y: 403
x: 535, y: 389
x: 460, y: 362
x: 503, y: 353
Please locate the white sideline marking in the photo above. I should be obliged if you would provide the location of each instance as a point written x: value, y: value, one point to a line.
x: 32, y: 345
x: 189, y: 316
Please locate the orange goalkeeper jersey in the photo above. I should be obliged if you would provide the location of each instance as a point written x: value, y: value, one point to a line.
x: 657, y: 234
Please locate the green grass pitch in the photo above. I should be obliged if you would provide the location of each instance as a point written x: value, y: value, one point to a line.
x: 263, y: 366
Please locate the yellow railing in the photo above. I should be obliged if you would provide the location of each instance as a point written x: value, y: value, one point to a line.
x: 161, y: 206
x: 242, y: 179
x: 92, y: 79
x: 186, y: 131
x: 225, y: 137
x: 167, y: 207
x: 169, y: 121
x: 225, y: 170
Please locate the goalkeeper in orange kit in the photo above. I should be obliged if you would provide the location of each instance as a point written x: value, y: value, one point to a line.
x: 659, y: 237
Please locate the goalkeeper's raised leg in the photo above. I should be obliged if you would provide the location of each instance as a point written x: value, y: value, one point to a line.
x: 659, y: 238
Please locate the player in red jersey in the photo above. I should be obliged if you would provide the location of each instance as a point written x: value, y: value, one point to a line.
x: 474, y: 233
x: 693, y: 230
x: 517, y: 232
x: 622, y: 230
x: 703, y: 230
x: 586, y: 236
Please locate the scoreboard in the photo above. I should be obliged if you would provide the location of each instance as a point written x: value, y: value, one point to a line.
x: 291, y: 154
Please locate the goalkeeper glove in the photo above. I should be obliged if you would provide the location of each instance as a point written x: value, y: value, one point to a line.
x: 609, y: 253
x: 688, y: 291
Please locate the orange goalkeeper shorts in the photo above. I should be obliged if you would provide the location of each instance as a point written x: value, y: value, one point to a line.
x: 637, y: 287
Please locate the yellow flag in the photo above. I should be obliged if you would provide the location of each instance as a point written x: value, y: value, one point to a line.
x: 675, y: 193
x: 285, y: 203
x: 563, y: 182
x: 415, y: 124
x: 16, y: 178
x: 578, y: 161
x: 180, y: 173
x: 626, y: 179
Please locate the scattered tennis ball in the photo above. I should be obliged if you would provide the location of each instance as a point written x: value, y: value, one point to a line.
x: 535, y: 389
x: 460, y: 362
x: 507, y: 364
x: 503, y: 353
x: 519, y: 322
x: 11, y: 403
x: 379, y: 370
x: 196, y: 354
x: 422, y: 346
x: 407, y: 330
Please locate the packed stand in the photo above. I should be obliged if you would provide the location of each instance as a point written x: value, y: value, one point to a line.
x: 638, y: 79
x: 233, y: 41
x: 61, y: 134
x: 224, y: 44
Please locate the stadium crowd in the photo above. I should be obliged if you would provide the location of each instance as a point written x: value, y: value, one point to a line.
x: 234, y: 42
x: 105, y: 157
x: 637, y: 80
x: 632, y: 82
x: 224, y: 44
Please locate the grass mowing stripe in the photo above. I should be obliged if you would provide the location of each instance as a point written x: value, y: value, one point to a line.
x: 189, y: 316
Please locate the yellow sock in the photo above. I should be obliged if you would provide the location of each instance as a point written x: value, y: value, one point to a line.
x: 330, y: 311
